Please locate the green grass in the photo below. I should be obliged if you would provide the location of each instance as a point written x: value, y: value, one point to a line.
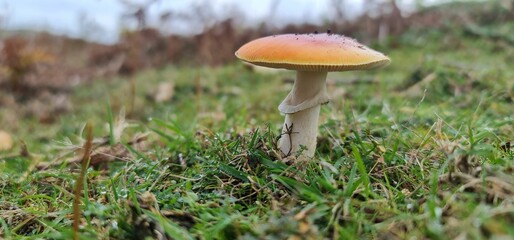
x: 392, y: 161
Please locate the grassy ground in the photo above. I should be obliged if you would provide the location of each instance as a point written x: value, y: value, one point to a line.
x: 420, y: 149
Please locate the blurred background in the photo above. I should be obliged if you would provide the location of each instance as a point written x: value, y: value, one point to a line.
x: 49, y: 48
x: 87, y: 39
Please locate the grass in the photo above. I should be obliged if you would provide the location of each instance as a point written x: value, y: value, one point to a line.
x: 420, y: 149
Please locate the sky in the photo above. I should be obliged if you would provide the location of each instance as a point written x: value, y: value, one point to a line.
x: 99, y: 20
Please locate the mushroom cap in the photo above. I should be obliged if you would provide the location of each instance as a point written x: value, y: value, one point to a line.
x: 311, y: 52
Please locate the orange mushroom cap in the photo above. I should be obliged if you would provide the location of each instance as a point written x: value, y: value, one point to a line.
x: 311, y: 52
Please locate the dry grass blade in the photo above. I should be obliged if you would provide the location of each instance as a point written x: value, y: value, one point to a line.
x: 493, y: 186
x: 80, y: 181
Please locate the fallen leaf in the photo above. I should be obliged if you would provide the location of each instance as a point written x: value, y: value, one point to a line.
x: 6, y: 142
x: 163, y: 93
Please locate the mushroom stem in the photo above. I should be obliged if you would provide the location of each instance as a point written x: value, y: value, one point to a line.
x: 302, y: 107
x: 300, y: 129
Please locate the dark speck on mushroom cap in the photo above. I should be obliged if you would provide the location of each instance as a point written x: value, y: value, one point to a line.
x: 311, y: 52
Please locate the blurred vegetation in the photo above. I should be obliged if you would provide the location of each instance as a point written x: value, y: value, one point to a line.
x: 19, y: 60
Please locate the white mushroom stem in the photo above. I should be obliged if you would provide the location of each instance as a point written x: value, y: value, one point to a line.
x: 302, y: 107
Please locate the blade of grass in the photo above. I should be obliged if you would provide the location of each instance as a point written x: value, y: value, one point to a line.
x: 114, y: 191
x: 361, y: 167
x: 353, y: 183
x: 110, y: 121
x: 173, y: 126
x: 163, y: 134
x: 7, y: 233
x: 170, y: 228
x: 254, y: 139
x: 80, y: 181
x: 274, y: 166
x: 133, y: 197
x: 134, y: 151
x: 234, y: 172
x: 307, y: 192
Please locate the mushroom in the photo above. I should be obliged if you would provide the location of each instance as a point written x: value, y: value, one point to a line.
x: 312, y: 56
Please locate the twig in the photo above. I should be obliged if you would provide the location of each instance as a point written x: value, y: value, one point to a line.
x: 288, y: 132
